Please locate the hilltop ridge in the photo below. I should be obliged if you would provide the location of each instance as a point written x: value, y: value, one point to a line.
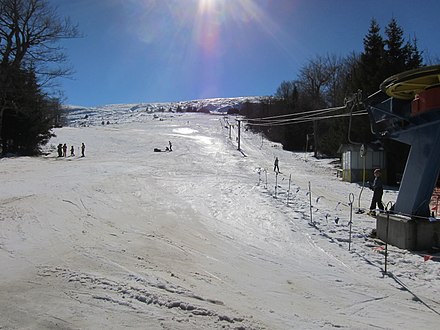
x: 84, y: 116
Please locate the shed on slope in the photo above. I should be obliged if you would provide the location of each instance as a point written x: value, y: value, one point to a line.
x: 359, y: 161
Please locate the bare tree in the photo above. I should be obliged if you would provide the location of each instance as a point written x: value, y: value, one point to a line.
x: 29, y: 32
x: 314, y: 77
x: 285, y: 90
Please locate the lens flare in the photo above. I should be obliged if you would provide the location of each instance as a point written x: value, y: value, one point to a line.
x: 200, y: 40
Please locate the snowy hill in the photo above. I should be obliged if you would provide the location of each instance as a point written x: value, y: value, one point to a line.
x: 84, y: 116
x: 203, y: 237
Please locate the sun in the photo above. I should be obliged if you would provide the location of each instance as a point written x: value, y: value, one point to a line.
x: 207, y: 5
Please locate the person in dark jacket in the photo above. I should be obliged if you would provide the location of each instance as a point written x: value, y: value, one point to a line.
x: 60, y: 150
x: 276, y: 168
x: 377, y: 188
x: 64, y: 150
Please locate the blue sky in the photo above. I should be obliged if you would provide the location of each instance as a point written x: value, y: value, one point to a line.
x: 176, y: 50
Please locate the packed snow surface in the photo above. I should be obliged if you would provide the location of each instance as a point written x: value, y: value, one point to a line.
x: 202, y: 237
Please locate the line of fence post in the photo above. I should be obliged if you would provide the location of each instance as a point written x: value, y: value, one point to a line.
x: 351, y: 200
x: 238, y: 138
x: 436, y: 207
x: 388, y: 208
x: 310, y: 203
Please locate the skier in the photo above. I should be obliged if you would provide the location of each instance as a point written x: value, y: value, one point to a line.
x: 377, y: 188
x: 72, y: 151
x: 60, y: 150
x: 83, y: 149
x: 171, y: 146
x: 65, y: 150
x: 275, y: 166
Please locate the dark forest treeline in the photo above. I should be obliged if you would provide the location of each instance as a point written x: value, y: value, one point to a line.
x: 27, y: 114
x: 327, y: 81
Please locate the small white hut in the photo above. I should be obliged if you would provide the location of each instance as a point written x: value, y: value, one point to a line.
x: 359, y: 161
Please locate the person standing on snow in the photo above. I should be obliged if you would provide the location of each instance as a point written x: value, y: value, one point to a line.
x: 72, y: 151
x: 65, y: 150
x: 83, y: 149
x: 171, y: 146
x: 275, y: 166
x: 60, y: 150
x: 377, y: 188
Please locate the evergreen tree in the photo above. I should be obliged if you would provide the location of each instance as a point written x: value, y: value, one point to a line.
x: 372, y: 61
x: 395, y: 50
x: 413, y: 57
x: 27, y: 123
x: 384, y: 57
x: 327, y: 80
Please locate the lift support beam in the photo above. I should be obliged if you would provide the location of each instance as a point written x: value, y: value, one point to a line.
x: 407, y: 109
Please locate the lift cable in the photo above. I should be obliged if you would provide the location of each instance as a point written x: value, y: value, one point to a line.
x: 305, y: 119
x: 297, y: 114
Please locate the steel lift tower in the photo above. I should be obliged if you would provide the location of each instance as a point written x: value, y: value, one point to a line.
x: 407, y: 109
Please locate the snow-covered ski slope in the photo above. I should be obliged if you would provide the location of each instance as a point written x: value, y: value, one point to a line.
x: 120, y: 113
x: 194, y: 238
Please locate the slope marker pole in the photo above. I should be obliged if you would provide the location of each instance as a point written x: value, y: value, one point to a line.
x: 310, y: 202
x: 288, y: 190
x: 351, y: 200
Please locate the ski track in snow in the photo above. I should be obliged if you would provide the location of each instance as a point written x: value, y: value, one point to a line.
x: 195, y: 238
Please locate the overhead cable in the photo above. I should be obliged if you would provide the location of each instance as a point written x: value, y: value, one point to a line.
x: 305, y: 119
x: 296, y: 114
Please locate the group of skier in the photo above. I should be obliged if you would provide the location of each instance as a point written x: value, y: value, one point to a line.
x: 62, y: 150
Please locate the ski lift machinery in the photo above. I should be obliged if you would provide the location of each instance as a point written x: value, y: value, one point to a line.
x: 407, y: 109
x: 352, y: 103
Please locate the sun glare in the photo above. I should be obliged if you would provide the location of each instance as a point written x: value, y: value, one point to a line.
x: 200, y: 40
x: 203, y: 37
x: 221, y: 23
x: 206, y: 5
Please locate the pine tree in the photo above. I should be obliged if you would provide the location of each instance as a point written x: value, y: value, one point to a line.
x: 27, y: 124
x: 384, y: 57
x: 372, y: 61
x: 413, y: 57
x: 395, y: 50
